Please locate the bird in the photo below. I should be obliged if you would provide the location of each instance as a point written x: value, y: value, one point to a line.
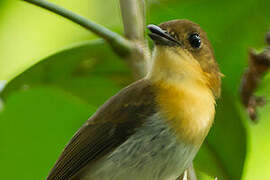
x: 153, y: 128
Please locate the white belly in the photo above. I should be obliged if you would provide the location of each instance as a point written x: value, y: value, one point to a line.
x: 152, y: 153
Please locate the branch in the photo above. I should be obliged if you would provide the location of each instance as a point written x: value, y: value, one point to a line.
x: 189, y: 174
x: 133, y: 15
x: 117, y: 42
x: 3, y: 83
x: 133, y: 18
x: 259, y: 64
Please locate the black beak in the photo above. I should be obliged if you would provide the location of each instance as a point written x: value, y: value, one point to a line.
x: 161, y: 37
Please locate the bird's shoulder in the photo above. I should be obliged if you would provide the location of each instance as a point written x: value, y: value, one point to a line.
x: 135, y: 100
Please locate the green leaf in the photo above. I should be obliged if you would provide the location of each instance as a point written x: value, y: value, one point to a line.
x: 46, y: 105
x: 35, y: 126
x: 224, y: 151
x: 88, y: 70
x: 203, y: 176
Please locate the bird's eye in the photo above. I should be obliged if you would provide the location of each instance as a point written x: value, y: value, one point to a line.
x: 195, y: 40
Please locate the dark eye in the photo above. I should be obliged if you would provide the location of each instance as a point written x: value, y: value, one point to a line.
x: 195, y: 40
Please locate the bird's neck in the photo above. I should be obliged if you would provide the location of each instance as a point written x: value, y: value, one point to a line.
x: 173, y: 68
x: 183, y: 96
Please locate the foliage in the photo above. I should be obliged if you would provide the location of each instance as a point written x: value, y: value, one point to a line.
x: 48, y: 102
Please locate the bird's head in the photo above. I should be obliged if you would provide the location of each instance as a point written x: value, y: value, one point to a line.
x: 183, y: 53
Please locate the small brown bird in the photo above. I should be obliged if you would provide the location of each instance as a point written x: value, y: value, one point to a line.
x: 152, y: 129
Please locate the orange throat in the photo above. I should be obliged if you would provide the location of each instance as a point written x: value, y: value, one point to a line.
x: 188, y: 108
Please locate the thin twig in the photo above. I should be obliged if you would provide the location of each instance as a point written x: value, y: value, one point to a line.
x: 189, y: 174
x: 117, y: 42
x: 133, y: 15
x: 185, y: 175
x: 133, y: 18
x: 3, y: 83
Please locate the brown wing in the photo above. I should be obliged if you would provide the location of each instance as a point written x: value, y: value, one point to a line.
x: 109, y: 127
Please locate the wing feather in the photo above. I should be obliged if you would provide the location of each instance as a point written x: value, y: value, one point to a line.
x: 109, y: 127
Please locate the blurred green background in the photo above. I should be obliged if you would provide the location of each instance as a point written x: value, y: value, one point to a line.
x: 73, y: 72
